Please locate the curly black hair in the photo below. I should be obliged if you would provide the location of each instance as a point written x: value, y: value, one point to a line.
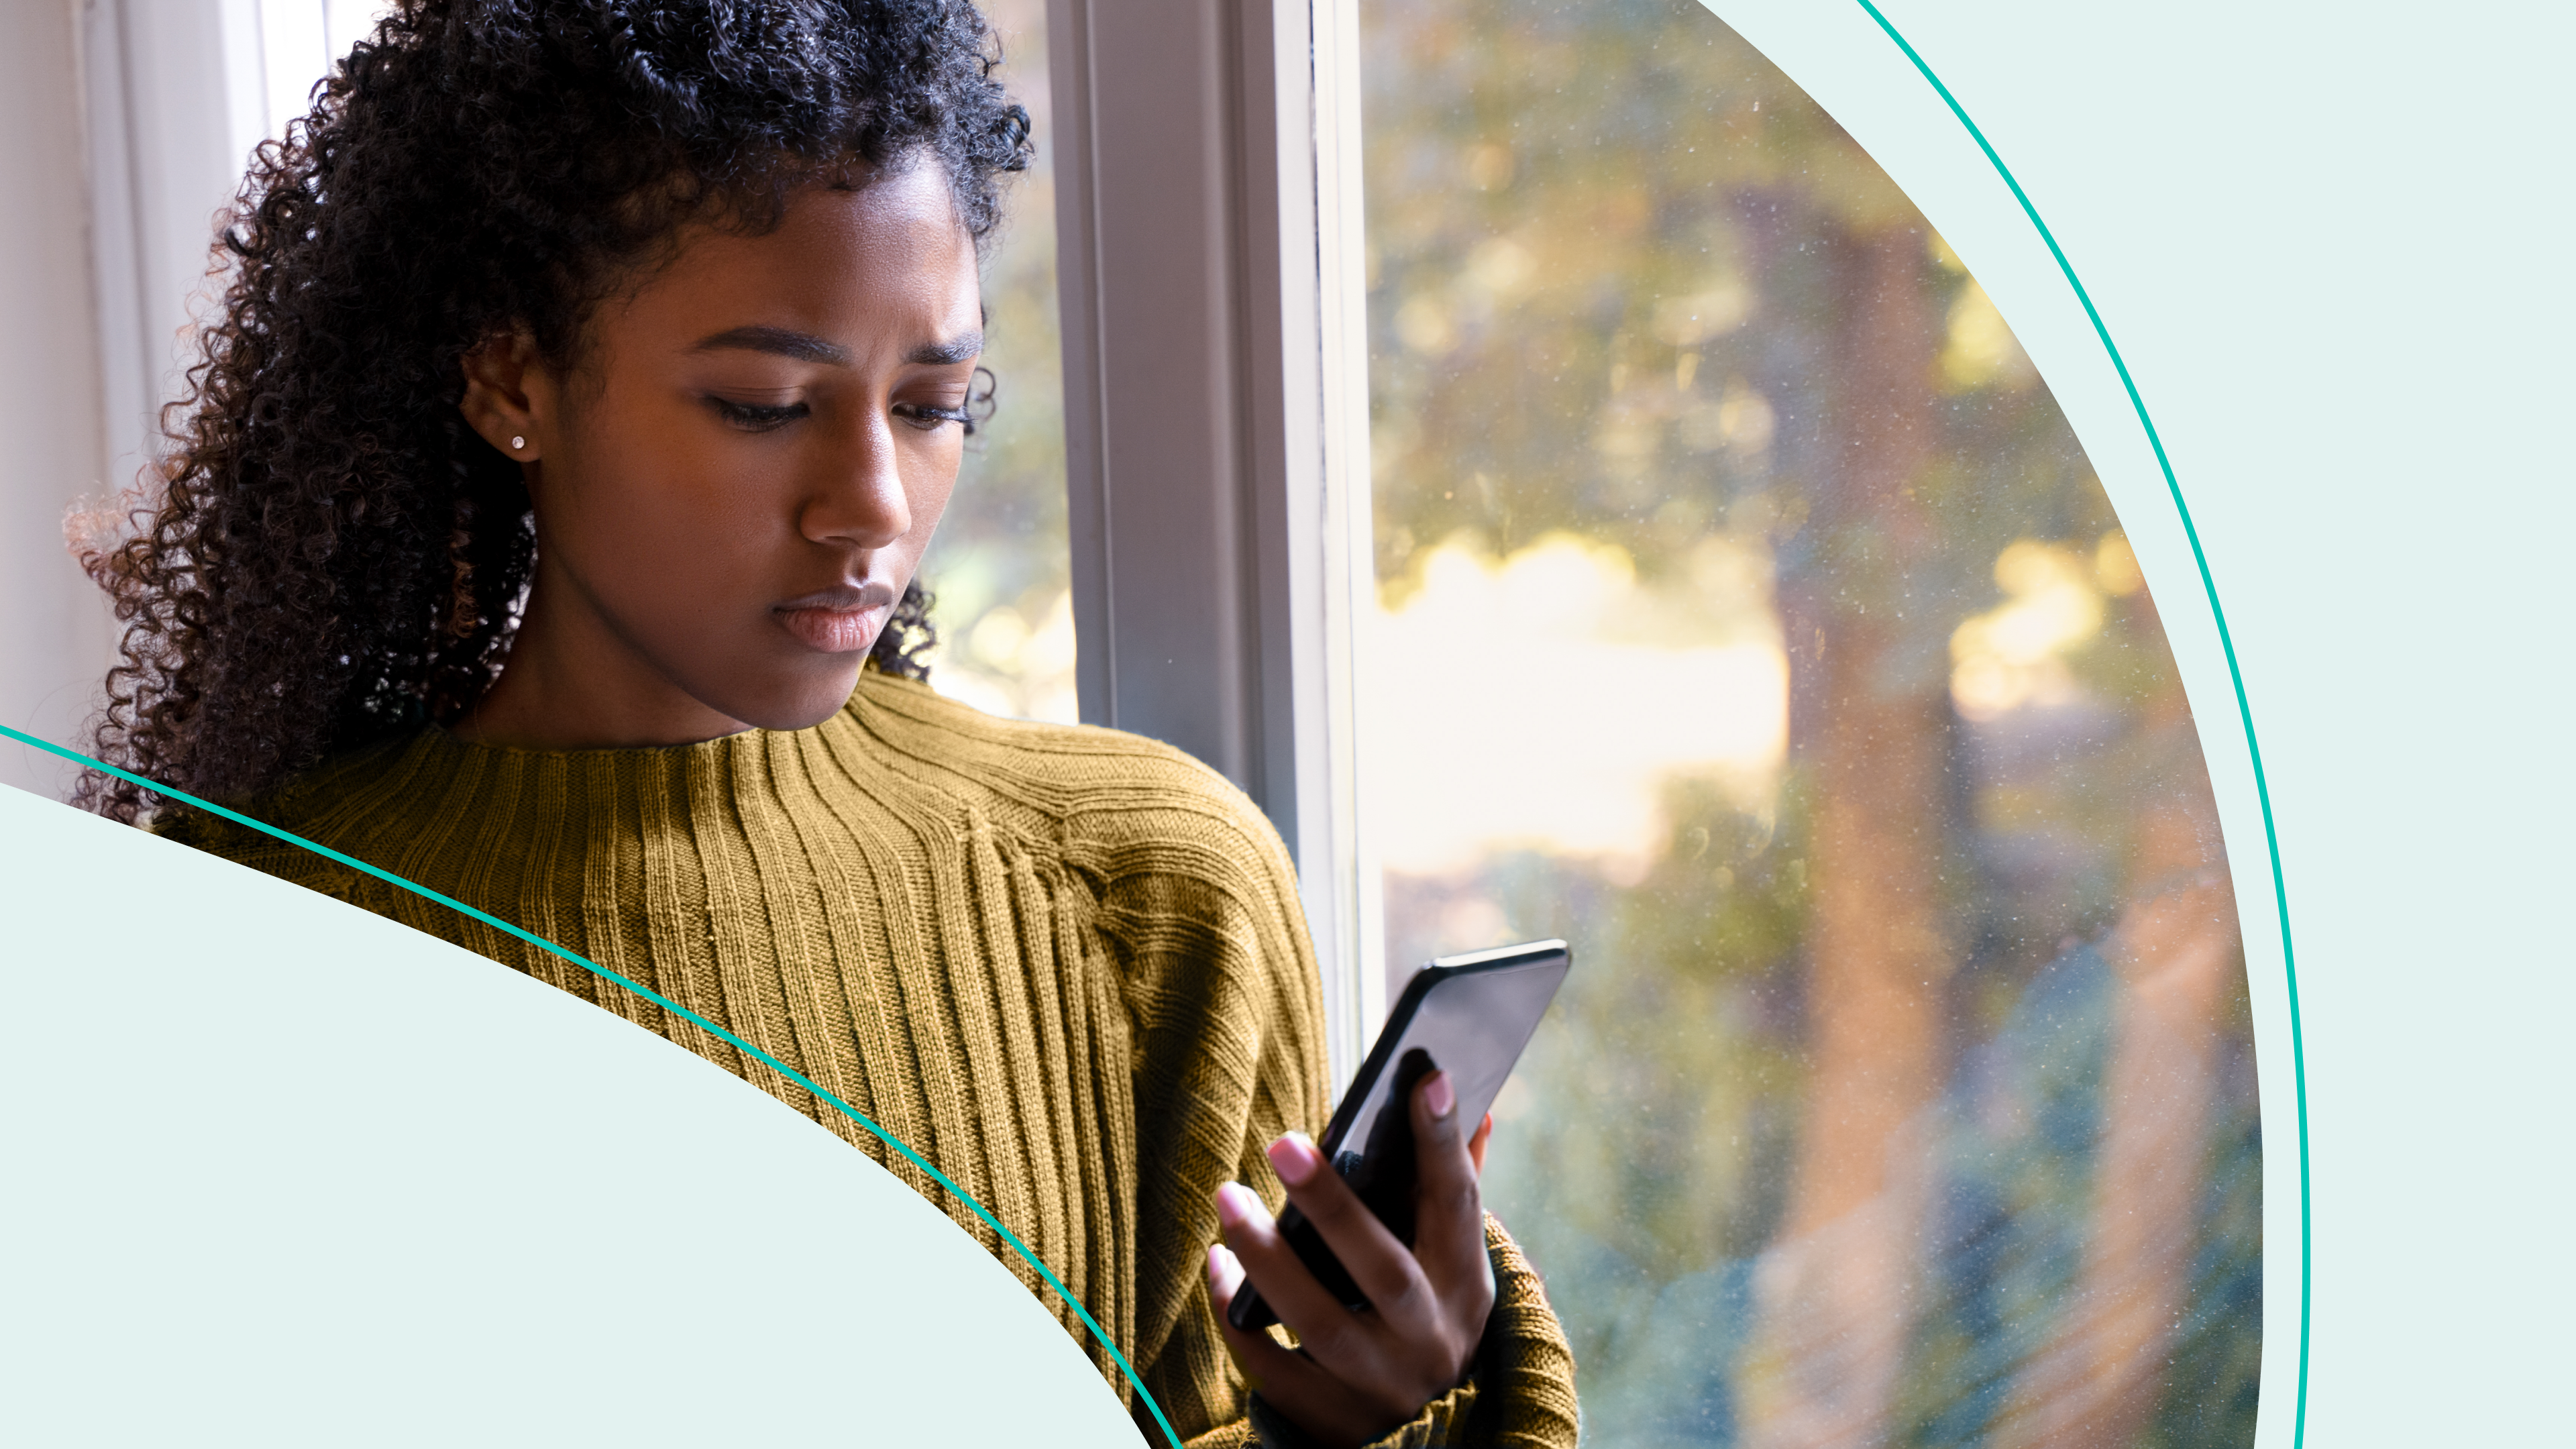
x: 330, y: 554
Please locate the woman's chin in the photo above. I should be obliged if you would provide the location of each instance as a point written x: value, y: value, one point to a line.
x: 804, y: 703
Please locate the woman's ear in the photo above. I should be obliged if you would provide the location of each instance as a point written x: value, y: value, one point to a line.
x: 503, y: 392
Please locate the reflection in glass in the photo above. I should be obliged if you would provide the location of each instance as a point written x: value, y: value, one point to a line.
x: 1749, y: 616
x: 1000, y: 568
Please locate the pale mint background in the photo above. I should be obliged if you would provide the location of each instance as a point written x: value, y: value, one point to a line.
x: 281, y: 1172
x: 2333, y: 243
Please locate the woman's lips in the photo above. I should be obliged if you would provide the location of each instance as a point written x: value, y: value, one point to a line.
x: 835, y: 631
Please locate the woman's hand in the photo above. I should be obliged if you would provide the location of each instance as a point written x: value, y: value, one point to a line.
x: 1354, y: 1376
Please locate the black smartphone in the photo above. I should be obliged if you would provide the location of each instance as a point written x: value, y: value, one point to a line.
x: 1467, y: 1015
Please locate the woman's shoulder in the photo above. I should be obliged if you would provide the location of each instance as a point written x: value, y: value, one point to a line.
x: 277, y: 831
x: 1188, y: 881
x: 1101, y: 791
x: 912, y: 715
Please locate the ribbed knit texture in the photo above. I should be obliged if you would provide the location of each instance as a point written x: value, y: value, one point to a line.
x: 1066, y: 965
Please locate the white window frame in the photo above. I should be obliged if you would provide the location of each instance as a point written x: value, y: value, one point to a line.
x: 1211, y: 266
x: 175, y: 95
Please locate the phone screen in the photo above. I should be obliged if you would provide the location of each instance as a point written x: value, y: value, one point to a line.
x: 1467, y: 1015
x: 1471, y: 1023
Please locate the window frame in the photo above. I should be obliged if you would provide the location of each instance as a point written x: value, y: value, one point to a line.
x: 1211, y: 270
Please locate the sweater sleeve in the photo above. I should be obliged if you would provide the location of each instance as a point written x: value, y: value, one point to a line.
x: 1198, y: 901
x: 1519, y: 1395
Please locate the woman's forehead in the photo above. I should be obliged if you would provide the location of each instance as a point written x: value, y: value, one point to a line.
x: 854, y: 264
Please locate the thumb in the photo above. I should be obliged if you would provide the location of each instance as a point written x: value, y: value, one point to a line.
x: 1448, y: 1209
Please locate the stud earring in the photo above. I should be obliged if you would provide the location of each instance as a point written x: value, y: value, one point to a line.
x: 517, y: 443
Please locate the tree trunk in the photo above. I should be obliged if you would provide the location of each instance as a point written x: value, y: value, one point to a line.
x: 1835, y: 1293
x: 2097, y: 1383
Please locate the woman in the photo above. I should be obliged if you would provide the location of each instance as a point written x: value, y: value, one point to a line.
x: 542, y: 530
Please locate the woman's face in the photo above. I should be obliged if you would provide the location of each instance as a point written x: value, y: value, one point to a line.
x: 736, y: 481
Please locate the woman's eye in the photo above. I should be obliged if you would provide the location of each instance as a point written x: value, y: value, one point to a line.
x: 754, y: 418
x: 926, y: 416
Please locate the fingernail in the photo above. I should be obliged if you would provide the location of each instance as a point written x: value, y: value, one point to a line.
x: 1234, y: 1204
x: 1294, y: 1159
x: 1439, y: 1096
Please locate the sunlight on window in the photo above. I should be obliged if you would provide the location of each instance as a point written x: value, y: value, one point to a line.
x: 299, y: 43
x: 2015, y: 656
x: 2116, y: 566
x: 1483, y: 741
x: 1424, y: 325
x: 1982, y: 351
x: 1501, y: 266
x: 1692, y: 320
x: 1008, y: 663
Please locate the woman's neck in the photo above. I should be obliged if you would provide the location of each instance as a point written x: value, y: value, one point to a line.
x: 572, y: 682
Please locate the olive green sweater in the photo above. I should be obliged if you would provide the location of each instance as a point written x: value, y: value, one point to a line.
x: 1065, y: 965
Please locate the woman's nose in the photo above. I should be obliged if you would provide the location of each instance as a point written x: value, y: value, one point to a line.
x: 857, y: 496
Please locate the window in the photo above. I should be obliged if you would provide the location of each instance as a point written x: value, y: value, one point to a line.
x: 999, y: 567
x: 298, y: 43
x: 1747, y: 614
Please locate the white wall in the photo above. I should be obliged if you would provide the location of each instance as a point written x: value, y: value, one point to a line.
x: 129, y: 123
x: 54, y: 629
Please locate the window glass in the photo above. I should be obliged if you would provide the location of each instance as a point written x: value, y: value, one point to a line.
x: 1748, y: 615
x: 1001, y: 568
x: 292, y: 45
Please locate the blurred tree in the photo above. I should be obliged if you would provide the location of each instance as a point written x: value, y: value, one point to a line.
x: 2176, y: 954
x: 1907, y: 1105
x: 1871, y: 725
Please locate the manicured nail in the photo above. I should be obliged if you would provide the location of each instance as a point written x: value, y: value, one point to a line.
x: 1439, y: 1096
x: 1234, y: 1204
x: 1294, y: 1159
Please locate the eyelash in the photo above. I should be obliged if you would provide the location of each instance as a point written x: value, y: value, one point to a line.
x: 925, y: 417
x: 755, y: 419
x: 752, y: 418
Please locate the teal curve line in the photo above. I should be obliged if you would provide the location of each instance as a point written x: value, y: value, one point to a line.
x: 2235, y: 675
x: 603, y: 973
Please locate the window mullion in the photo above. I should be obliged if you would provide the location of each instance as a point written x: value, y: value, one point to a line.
x: 1209, y: 454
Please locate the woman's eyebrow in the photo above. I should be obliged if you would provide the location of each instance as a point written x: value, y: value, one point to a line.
x: 783, y: 341
x: 963, y: 347
x: 806, y: 347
